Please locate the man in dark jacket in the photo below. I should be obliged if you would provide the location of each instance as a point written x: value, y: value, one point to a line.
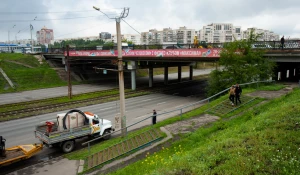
x: 238, y: 92
x: 282, y: 42
x: 154, y: 117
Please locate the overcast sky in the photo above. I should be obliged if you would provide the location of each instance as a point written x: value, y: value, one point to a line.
x: 280, y: 16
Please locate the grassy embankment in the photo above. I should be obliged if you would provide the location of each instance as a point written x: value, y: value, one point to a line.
x: 25, y: 78
x: 263, y: 140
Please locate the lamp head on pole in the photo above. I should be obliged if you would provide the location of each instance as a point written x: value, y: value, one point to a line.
x: 96, y: 8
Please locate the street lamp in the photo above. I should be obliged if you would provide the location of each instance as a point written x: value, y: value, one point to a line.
x: 31, y: 28
x: 8, y: 37
x: 123, y: 14
x: 16, y: 36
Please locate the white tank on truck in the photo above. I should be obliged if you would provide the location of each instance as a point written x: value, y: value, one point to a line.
x: 67, y: 127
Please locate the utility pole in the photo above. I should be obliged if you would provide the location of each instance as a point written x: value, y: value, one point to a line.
x: 123, y: 14
x: 31, y: 28
x: 69, y: 74
x: 121, y: 76
x: 9, y: 39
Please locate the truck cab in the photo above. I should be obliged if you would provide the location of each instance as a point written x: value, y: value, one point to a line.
x: 99, y: 126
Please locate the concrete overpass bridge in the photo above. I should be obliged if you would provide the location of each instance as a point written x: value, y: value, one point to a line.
x: 288, y: 60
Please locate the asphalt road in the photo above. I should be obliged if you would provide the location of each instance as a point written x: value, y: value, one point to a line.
x: 22, y: 131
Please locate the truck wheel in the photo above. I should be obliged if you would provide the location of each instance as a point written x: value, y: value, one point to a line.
x: 106, y: 132
x: 68, y: 146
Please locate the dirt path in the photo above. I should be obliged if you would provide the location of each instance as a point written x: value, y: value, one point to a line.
x: 192, y: 124
x: 19, y: 63
x: 273, y: 94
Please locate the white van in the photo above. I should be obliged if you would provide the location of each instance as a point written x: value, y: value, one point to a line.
x: 27, y: 50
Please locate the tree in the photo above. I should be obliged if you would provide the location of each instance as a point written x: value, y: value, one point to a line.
x: 240, y: 63
x: 108, y: 46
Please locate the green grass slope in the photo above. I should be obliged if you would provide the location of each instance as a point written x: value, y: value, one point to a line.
x: 264, y: 140
x: 24, y: 78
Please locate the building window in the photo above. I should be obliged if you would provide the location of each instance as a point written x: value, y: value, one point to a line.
x: 237, y: 30
x: 218, y: 27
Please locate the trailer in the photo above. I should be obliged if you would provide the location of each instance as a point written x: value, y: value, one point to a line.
x: 70, y: 126
x: 17, y: 153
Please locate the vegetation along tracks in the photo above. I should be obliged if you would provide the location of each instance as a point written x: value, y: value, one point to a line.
x: 65, y: 105
x: 43, y: 106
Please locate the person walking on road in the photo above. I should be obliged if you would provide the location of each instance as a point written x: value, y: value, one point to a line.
x: 282, y: 42
x: 231, y: 94
x: 154, y: 117
x: 237, y: 92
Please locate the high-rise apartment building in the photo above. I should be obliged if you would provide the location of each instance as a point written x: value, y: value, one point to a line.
x: 45, y: 36
x: 220, y: 32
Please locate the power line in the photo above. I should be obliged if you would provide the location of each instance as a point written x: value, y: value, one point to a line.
x: 141, y: 34
x: 131, y: 27
x: 80, y: 30
x: 30, y: 13
x: 1, y: 21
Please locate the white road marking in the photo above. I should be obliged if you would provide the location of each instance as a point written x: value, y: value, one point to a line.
x: 160, y: 103
x: 178, y: 106
x: 147, y: 100
x: 105, y: 109
x: 144, y: 116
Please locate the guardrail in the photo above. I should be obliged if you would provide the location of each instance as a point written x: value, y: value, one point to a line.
x: 207, y: 100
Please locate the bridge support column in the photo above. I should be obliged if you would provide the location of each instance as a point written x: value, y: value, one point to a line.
x: 150, y: 76
x: 166, y: 75
x: 133, y: 75
x: 179, y: 73
x: 191, y: 72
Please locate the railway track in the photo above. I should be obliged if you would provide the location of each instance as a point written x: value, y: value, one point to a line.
x: 89, y: 101
x: 37, y: 107
x: 33, y: 102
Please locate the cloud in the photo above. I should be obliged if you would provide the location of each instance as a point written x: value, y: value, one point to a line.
x: 278, y: 16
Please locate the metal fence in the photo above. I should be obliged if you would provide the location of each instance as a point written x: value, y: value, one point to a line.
x: 269, y: 45
x: 180, y: 110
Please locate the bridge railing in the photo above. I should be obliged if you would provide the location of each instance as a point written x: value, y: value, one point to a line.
x: 269, y: 45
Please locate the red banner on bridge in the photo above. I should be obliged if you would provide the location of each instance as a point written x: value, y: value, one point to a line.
x: 148, y: 53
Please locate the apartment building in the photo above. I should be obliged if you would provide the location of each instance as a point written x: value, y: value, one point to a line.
x: 220, y: 32
x: 266, y: 35
x: 136, y: 39
x: 85, y: 38
x: 25, y: 41
x: 45, y: 36
x: 169, y: 35
x: 104, y: 35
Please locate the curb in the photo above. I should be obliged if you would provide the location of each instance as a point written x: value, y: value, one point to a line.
x: 114, y: 163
